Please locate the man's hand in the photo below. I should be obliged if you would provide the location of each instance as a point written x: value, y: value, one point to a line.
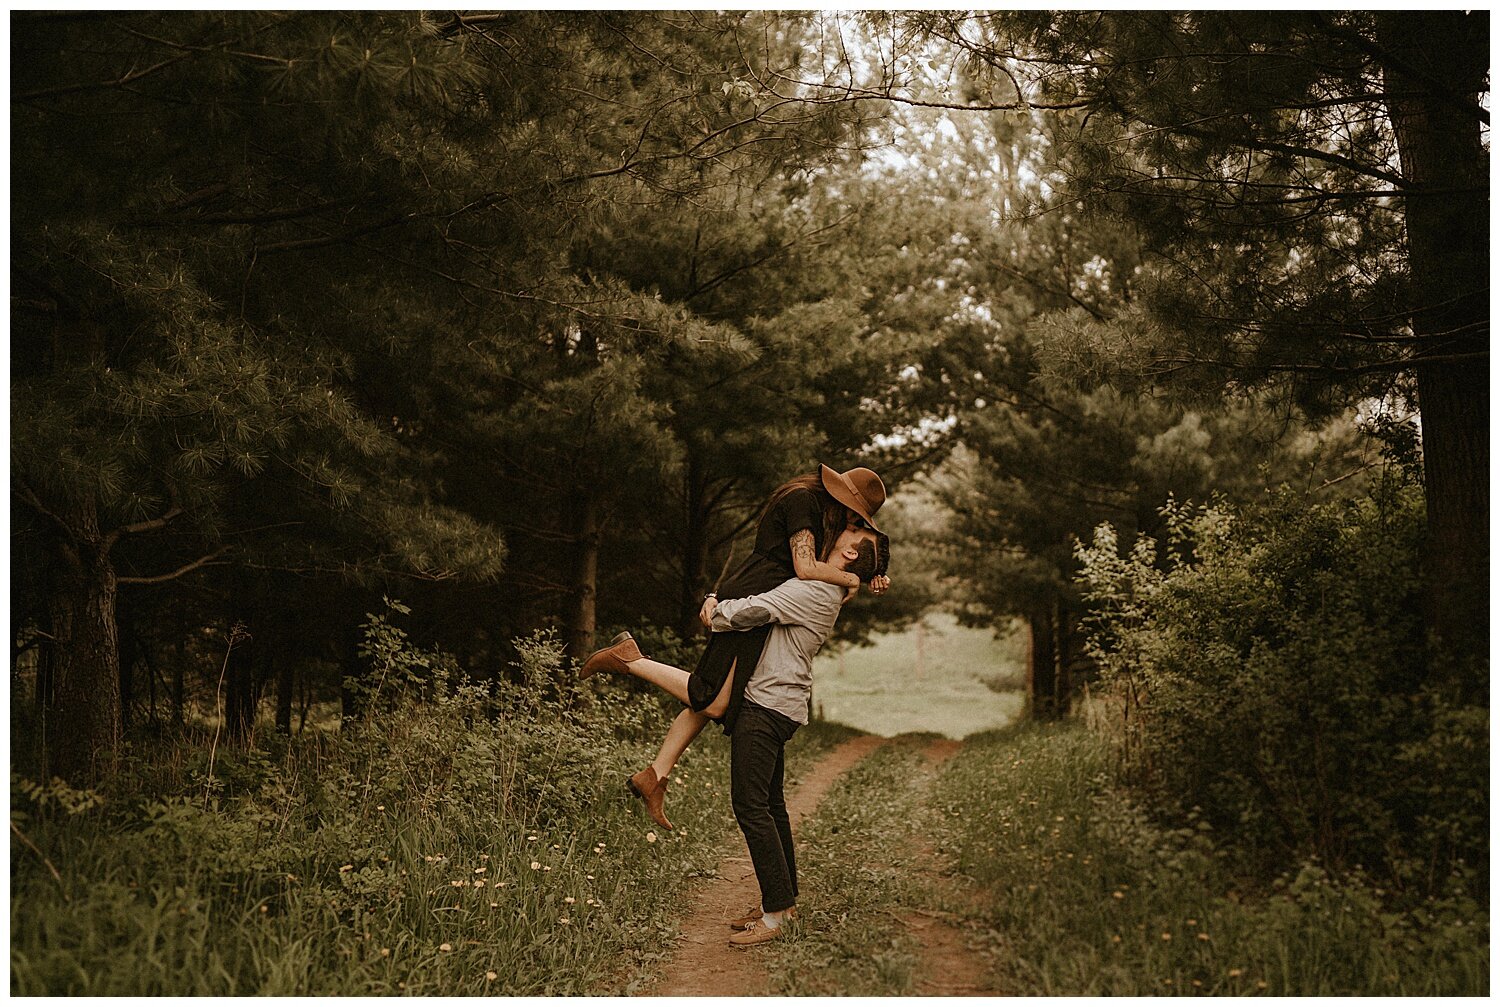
x: 881, y: 584
x: 849, y: 593
x: 706, y: 613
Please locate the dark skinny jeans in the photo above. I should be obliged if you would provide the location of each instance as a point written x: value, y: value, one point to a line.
x: 757, y: 767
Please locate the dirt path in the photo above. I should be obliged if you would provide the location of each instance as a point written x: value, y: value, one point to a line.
x: 948, y: 966
x: 704, y: 964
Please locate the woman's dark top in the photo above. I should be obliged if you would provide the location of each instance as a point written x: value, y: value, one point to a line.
x: 769, y: 565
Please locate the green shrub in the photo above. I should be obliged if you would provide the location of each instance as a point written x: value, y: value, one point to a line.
x: 1272, y: 669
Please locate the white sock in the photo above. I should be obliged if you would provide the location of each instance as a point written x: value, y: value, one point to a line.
x: 771, y: 920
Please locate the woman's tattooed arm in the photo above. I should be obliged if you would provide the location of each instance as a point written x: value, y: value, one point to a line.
x: 802, y: 547
x: 805, y: 562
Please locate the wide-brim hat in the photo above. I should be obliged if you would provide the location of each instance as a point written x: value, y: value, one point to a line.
x: 858, y: 489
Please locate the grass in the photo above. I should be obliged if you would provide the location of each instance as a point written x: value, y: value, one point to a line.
x: 436, y: 850
x: 469, y: 846
x: 178, y: 898
x: 965, y: 681
x: 1086, y: 897
x: 304, y: 881
x: 855, y: 877
x: 1080, y: 894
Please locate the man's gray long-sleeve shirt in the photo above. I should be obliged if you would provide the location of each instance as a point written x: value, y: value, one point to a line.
x: 803, y: 613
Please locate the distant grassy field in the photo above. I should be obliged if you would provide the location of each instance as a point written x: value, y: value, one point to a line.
x: 885, y: 689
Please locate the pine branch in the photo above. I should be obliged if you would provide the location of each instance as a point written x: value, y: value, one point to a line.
x: 1389, y: 366
x: 29, y: 497
x: 1311, y: 153
x: 1098, y: 314
x: 333, y: 239
x: 180, y: 571
x: 33, y: 305
x: 134, y: 75
x: 173, y: 511
x: 779, y: 250
x: 853, y: 93
x: 712, y: 503
x: 269, y: 216
x: 202, y: 195
x: 1386, y: 59
x: 68, y: 542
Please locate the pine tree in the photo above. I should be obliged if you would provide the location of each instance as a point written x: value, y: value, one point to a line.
x: 298, y: 292
x: 1309, y: 189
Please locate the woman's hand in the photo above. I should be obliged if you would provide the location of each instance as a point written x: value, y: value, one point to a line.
x: 881, y: 584
x: 706, y: 613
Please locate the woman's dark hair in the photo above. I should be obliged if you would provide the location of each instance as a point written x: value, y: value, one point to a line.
x: 835, y: 514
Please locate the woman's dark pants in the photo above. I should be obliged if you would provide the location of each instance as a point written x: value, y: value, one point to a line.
x: 757, y: 766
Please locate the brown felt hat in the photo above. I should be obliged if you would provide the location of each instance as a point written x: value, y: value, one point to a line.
x: 858, y: 489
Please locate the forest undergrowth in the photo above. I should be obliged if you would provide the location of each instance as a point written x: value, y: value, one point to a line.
x: 454, y: 841
x: 467, y: 840
x: 1086, y: 894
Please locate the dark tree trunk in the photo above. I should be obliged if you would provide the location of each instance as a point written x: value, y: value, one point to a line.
x: 351, y: 668
x: 1438, y: 63
x: 151, y: 676
x: 1062, y: 652
x: 82, y: 726
x: 580, y: 640
x: 1041, y: 664
x: 694, y: 549
x: 239, y: 683
x: 286, y: 681
x: 129, y: 655
x: 46, y: 656
x: 178, y: 686
x: 244, y: 620
x: 304, y: 702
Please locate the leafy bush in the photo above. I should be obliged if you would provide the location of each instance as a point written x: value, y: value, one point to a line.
x: 1273, y: 675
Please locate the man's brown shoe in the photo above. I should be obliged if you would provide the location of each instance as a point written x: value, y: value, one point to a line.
x: 620, y: 652
x: 757, y: 933
x: 753, y: 915
x: 653, y: 791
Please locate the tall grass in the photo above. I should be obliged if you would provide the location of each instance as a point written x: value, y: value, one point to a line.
x: 1087, y: 897
x: 856, y: 879
x: 458, y: 842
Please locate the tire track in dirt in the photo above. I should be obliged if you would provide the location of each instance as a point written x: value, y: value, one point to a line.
x: 705, y: 964
x: 947, y: 966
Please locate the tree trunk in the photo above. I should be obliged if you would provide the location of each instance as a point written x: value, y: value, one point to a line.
x: 129, y: 655
x: 151, y: 691
x: 286, y: 682
x: 1438, y: 62
x: 694, y: 549
x: 82, y: 726
x: 46, y: 656
x: 178, y: 686
x: 304, y: 702
x: 351, y: 668
x: 239, y: 683
x: 580, y: 639
x: 1062, y: 678
x: 1041, y: 664
x: 244, y: 620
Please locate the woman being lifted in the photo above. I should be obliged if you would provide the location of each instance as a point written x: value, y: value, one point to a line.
x: 798, y: 525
